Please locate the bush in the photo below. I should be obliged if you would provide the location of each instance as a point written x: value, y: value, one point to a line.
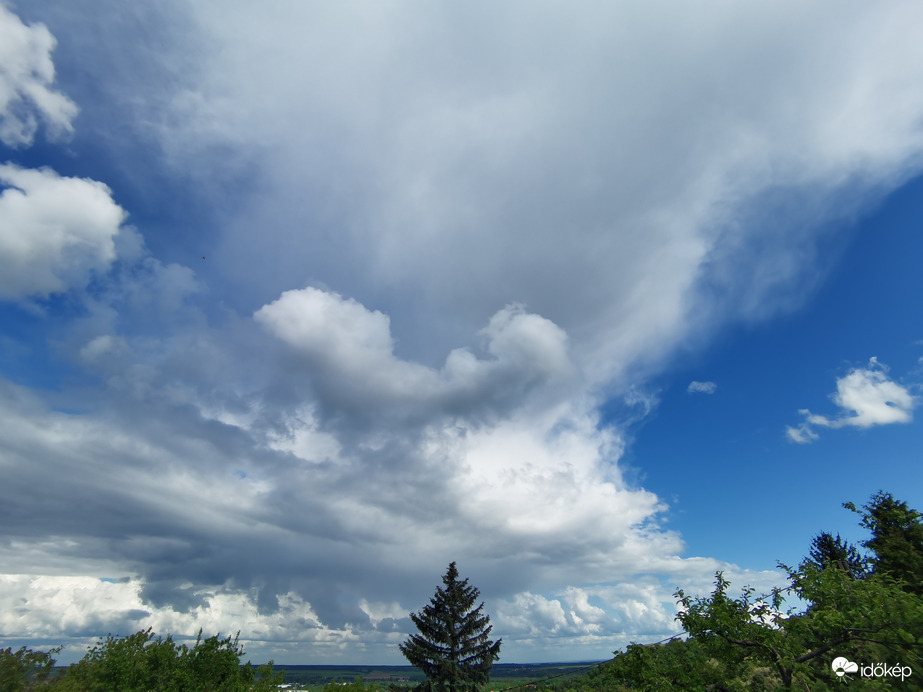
x: 139, y: 663
x: 25, y: 669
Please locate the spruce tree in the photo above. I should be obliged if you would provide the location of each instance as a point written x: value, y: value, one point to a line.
x: 827, y: 550
x: 452, y: 648
x: 897, y: 539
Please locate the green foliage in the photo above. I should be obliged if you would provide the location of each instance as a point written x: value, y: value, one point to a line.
x: 139, y: 663
x: 897, y: 539
x: 737, y: 631
x: 750, y: 632
x: 675, y: 665
x: 867, y: 610
x: 827, y: 550
x: 452, y: 648
x: 25, y: 669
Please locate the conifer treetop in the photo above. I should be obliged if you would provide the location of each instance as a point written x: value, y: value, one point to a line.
x: 452, y: 648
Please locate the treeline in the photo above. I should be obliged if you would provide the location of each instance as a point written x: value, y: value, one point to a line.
x: 861, y: 622
x: 140, y: 662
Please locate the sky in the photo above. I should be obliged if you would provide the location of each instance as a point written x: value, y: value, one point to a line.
x: 300, y: 302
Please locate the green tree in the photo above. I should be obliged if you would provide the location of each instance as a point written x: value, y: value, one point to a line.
x: 748, y: 642
x: 25, y: 669
x: 140, y: 662
x: 868, y: 619
x: 827, y: 550
x: 850, y: 612
x: 452, y: 648
x: 679, y: 664
x: 897, y: 539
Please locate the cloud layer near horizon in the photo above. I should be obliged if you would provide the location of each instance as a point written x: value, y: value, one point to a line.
x: 438, y: 239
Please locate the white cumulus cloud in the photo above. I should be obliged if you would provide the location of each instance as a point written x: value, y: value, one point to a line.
x: 866, y: 397
x: 349, y: 351
x: 26, y: 75
x: 54, y: 231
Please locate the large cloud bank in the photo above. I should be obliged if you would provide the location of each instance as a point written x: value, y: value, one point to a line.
x: 441, y: 237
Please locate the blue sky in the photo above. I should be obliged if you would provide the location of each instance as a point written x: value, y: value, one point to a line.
x: 735, y: 438
x: 299, y: 303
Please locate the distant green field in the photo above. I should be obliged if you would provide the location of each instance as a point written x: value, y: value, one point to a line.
x: 502, y: 676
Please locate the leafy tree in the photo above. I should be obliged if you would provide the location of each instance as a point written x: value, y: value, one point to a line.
x: 25, y: 669
x: 734, y: 630
x: 865, y: 616
x: 870, y: 619
x: 452, y: 648
x: 897, y: 539
x: 663, y: 667
x: 865, y: 609
x: 139, y: 663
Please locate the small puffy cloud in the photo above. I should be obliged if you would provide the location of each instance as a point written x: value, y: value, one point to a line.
x: 871, y: 398
x: 701, y: 387
x: 339, y: 334
x: 348, y: 352
x: 582, y: 611
x: 379, y: 612
x: 54, y: 231
x: 867, y: 398
x: 26, y: 75
x: 532, y: 614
